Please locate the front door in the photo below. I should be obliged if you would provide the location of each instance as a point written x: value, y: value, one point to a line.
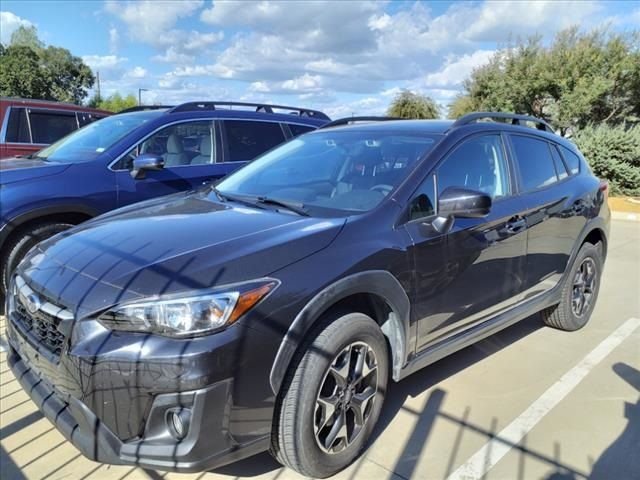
x: 476, y: 269
x: 190, y: 151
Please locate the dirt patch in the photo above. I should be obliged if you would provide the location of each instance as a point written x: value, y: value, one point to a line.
x: 625, y: 204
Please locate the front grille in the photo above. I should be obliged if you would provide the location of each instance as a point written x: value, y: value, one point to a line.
x: 42, y: 327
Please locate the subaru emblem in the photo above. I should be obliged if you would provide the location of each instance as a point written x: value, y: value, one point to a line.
x: 33, y: 303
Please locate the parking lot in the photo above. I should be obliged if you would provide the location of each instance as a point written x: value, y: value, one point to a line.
x: 528, y: 403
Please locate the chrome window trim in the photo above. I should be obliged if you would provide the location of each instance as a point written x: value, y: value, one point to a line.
x: 5, y: 123
x: 169, y: 124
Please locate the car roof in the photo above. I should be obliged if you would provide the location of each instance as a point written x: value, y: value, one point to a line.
x: 28, y: 102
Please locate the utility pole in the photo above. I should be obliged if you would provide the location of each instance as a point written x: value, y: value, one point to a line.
x: 140, y: 90
x: 98, y: 88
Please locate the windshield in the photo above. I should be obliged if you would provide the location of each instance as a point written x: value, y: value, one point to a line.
x: 348, y: 171
x: 90, y: 141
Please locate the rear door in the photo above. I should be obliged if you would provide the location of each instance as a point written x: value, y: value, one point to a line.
x: 555, y: 210
x: 244, y: 140
x: 470, y: 273
x: 191, y: 152
x: 16, y: 136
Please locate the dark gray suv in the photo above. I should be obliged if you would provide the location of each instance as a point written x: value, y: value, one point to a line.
x: 270, y: 311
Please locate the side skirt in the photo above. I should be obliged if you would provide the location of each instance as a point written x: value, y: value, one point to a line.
x: 480, y: 331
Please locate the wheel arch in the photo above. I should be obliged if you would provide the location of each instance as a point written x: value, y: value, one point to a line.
x: 389, y: 305
x: 63, y: 213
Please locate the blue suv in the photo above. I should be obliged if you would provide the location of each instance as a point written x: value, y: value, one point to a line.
x: 142, y: 153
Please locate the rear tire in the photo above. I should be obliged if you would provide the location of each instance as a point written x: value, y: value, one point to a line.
x: 20, y: 245
x: 350, y: 347
x: 580, y: 291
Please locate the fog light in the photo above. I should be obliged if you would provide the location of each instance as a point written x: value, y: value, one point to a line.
x: 178, y: 420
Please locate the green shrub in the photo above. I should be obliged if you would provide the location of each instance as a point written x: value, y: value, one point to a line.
x: 614, y: 154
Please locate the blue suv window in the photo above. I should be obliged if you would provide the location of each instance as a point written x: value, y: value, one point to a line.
x: 182, y: 144
x: 246, y: 140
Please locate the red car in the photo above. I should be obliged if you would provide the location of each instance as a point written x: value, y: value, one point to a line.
x: 27, y: 126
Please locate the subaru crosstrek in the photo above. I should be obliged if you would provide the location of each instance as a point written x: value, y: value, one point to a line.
x: 132, y: 157
x: 269, y: 311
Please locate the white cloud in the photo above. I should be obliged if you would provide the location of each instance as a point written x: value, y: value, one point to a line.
x: 9, y: 23
x: 153, y: 23
x: 137, y: 72
x: 103, y: 62
x: 456, y: 69
x: 149, y: 21
x: 114, y: 40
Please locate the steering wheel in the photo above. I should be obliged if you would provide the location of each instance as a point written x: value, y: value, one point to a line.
x: 382, y: 188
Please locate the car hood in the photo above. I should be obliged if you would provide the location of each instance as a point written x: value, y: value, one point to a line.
x: 181, y: 244
x: 16, y: 169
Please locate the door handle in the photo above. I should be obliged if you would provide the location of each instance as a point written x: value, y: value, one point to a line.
x: 516, y: 225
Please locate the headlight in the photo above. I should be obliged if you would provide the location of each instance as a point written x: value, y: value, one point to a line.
x: 198, y: 313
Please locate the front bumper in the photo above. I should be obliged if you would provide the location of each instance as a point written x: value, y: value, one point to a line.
x: 207, y: 444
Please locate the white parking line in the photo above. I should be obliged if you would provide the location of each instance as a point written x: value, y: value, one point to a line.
x: 484, y: 459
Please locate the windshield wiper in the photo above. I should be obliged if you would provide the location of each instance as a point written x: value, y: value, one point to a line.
x: 224, y: 197
x: 293, y: 206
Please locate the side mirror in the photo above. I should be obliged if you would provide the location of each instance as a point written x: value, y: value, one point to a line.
x: 144, y: 162
x: 463, y: 203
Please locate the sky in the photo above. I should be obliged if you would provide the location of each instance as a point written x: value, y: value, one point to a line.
x: 341, y: 57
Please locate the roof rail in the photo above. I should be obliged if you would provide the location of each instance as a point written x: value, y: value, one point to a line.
x: 142, y: 108
x: 514, y: 117
x: 260, y: 107
x: 351, y: 120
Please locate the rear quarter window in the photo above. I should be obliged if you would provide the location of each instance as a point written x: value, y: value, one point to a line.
x: 572, y: 160
x: 49, y: 127
x: 535, y: 162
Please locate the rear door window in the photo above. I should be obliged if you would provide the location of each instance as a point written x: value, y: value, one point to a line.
x: 17, y: 127
x: 49, y: 127
x: 245, y: 140
x: 535, y: 162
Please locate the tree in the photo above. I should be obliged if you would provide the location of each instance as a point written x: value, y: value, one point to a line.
x: 20, y: 73
x: 28, y: 69
x: 26, y: 37
x: 578, y: 79
x: 114, y: 103
x: 407, y: 104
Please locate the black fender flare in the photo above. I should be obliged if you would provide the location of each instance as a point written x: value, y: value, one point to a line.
x: 12, y: 224
x: 377, y: 282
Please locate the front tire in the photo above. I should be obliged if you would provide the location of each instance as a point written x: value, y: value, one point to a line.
x: 332, y: 396
x: 20, y: 245
x: 580, y: 291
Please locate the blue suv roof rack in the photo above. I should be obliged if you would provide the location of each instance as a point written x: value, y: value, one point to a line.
x: 141, y: 108
x: 259, y: 107
x: 514, y: 117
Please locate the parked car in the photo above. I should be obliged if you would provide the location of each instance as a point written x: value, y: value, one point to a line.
x: 27, y: 126
x: 129, y: 157
x: 267, y: 312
